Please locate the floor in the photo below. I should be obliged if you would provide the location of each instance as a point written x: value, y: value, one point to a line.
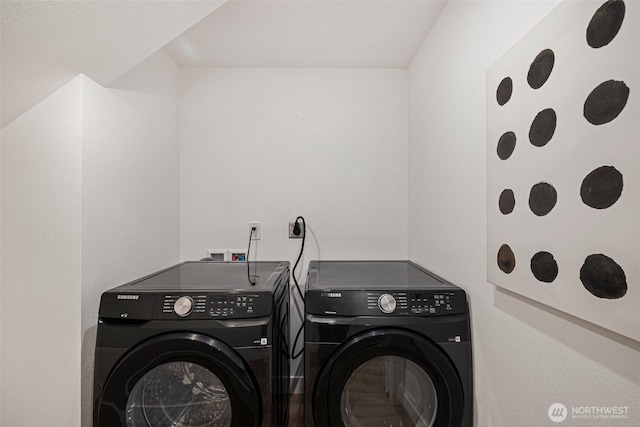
x: 296, y: 410
x: 368, y: 402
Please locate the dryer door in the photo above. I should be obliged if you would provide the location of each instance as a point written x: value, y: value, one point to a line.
x: 388, y: 377
x: 180, y: 379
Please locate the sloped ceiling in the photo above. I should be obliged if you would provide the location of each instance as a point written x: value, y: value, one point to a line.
x: 45, y: 44
x: 326, y: 34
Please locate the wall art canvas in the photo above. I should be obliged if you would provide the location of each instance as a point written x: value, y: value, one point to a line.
x: 563, y: 164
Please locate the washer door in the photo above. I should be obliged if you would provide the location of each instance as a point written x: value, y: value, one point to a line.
x: 388, y: 378
x: 180, y: 380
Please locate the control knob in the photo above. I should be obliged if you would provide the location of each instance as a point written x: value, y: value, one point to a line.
x: 387, y: 303
x: 183, y: 306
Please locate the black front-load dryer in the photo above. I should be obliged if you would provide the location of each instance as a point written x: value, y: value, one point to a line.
x: 198, y: 344
x: 387, y: 344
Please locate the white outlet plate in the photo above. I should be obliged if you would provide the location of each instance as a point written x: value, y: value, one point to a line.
x: 256, y: 234
x: 293, y: 236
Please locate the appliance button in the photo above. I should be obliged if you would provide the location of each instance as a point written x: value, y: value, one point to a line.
x: 387, y: 303
x: 183, y: 306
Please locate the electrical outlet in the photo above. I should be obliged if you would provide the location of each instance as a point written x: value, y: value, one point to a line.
x: 256, y: 234
x: 291, y: 234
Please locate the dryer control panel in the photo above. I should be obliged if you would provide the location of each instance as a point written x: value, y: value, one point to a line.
x: 386, y: 303
x: 433, y: 303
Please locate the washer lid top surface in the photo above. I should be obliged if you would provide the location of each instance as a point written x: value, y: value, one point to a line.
x: 209, y: 275
x: 372, y: 275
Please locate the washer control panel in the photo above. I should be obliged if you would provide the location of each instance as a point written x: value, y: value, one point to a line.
x: 184, y: 305
x: 217, y: 306
x: 232, y: 305
x: 386, y: 302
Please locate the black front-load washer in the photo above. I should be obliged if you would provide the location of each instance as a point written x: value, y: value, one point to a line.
x: 387, y: 343
x: 198, y: 344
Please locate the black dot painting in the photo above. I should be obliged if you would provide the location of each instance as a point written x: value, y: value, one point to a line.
x: 507, y: 201
x: 605, y: 23
x: 544, y: 267
x: 506, y: 259
x: 606, y: 102
x: 543, y: 127
x: 603, y: 277
x: 561, y: 195
x: 506, y: 145
x: 505, y: 89
x: 542, y: 198
x: 540, y: 68
x: 602, y: 187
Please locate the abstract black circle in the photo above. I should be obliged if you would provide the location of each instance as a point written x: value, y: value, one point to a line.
x: 506, y: 145
x: 542, y: 198
x: 540, y: 68
x: 602, y: 187
x: 544, y: 267
x: 605, y: 23
x: 505, y: 89
x: 603, y: 277
x: 507, y: 201
x: 506, y: 259
x: 606, y: 102
x: 543, y: 127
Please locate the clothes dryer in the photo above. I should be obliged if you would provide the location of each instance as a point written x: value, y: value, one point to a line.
x: 197, y: 344
x: 387, y: 344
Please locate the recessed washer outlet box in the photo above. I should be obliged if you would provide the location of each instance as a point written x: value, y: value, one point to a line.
x: 217, y: 254
x: 228, y: 255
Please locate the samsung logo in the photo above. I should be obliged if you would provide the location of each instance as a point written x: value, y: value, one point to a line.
x: 333, y: 294
x: 128, y: 296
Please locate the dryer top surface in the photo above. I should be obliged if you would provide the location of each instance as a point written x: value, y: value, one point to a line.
x: 372, y: 275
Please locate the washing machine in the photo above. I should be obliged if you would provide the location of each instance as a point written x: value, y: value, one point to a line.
x: 387, y: 344
x: 198, y: 344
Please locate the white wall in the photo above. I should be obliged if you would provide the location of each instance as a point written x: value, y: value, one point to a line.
x: 0, y: 275
x: 270, y: 144
x: 99, y: 173
x: 527, y: 356
x: 130, y: 203
x: 89, y: 201
x: 41, y: 243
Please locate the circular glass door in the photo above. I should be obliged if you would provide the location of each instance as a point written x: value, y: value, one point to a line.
x: 387, y: 377
x: 389, y: 391
x: 180, y: 379
x: 179, y: 394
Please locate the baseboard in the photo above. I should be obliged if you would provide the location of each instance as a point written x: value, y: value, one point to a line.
x: 297, y: 385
